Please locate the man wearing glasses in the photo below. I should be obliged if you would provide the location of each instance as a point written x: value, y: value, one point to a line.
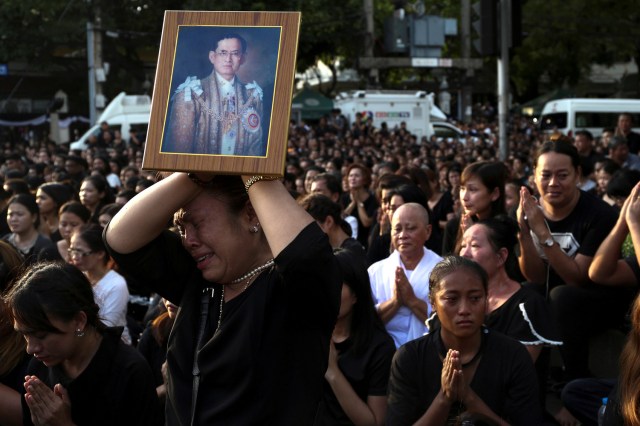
x: 218, y: 114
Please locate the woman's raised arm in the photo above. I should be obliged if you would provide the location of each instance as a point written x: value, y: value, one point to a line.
x: 280, y: 216
x: 148, y: 213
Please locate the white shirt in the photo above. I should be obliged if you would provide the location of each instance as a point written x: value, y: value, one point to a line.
x: 404, y: 326
x: 112, y: 296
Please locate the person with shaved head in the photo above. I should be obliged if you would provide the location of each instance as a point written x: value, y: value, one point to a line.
x: 400, y: 283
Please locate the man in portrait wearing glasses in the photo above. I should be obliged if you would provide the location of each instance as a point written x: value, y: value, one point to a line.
x: 218, y: 114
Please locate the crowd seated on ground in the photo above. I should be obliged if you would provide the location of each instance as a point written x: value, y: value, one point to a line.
x: 557, y: 193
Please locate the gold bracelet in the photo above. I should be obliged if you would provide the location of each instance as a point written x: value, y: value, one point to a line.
x: 257, y: 178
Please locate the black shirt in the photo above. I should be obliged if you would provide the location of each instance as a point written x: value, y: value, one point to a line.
x: 266, y: 363
x: 505, y: 379
x: 116, y: 388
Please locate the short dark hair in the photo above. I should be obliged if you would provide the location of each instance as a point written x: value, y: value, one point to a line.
x: 226, y: 36
x: 110, y: 209
x: 560, y: 146
x: 609, y: 166
x: 410, y: 193
x: 585, y: 133
x: 333, y: 183
x: 76, y: 208
x: 29, y: 202
x: 622, y: 182
x: 91, y: 234
x: 617, y: 141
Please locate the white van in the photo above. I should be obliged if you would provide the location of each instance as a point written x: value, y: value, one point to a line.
x: 415, y: 108
x: 125, y: 113
x: 570, y: 115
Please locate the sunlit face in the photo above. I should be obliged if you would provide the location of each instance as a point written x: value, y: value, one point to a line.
x: 476, y: 246
x: 215, y: 238
x: 454, y: 178
x: 20, y: 219
x: 624, y: 123
x: 46, y: 205
x: 68, y: 223
x: 511, y: 196
x: 355, y: 179
x: 347, y: 300
x: 227, y: 57
x: 582, y: 144
x: 52, y: 348
x: 619, y: 154
x: 320, y: 187
x: 104, y: 219
x: 308, y: 180
x: 395, y: 201
x: 476, y: 198
x: 460, y: 302
x: 605, y: 138
x: 99, y: 165
x: 89, y: 195
x: 409, y: 231
x: 172, y: 309
x: 556, y: 179
x: 81, y: 256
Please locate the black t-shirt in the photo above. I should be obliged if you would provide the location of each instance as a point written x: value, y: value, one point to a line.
x: 583, y: 230
x: 505, y: 379
x: 155, y: 354
x: 355, y: 248
x: 370, y: 206
x: 116, y: 388
x: 633, y: 140
x: 442, y: 208
x: 368, y: 375
x: 266, y: 363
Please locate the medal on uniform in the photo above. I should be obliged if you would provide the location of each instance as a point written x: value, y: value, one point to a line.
x: 251, y: 120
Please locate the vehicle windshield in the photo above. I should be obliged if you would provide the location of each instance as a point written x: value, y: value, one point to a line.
x: 557, y: 120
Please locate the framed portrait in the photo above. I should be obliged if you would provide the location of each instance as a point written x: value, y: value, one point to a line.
x: 222, y: 94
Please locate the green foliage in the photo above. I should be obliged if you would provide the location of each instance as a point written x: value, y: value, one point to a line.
x: 564, y: 38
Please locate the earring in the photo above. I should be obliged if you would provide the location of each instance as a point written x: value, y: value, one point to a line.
x: 79, y: 333
x: 254, y: 228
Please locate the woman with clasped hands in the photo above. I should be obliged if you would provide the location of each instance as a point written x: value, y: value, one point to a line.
x: 258, y: 290
x: 81, y: 373
x: 462, y: 369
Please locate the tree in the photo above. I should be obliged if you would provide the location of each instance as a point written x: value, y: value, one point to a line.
x: 564, y: 38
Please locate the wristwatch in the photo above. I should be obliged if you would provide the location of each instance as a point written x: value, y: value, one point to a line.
x: 549, y: 242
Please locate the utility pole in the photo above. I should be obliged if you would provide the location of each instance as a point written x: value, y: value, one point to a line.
x: 465, y: 30
x: 369, y: 41
x: 503, y: 78
x: 92, y: 73
x: 94, y: 62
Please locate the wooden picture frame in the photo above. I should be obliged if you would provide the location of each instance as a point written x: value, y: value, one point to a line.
x: 222, y: 94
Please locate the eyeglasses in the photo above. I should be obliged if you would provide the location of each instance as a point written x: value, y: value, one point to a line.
x: 78, y: 253
x: 225, y: 54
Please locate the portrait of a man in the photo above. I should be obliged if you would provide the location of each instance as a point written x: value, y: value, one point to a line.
x: 225, y: 110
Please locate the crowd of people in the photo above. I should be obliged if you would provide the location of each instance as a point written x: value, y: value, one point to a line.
x: 386, y: 278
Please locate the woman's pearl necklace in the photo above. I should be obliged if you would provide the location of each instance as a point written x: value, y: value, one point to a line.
x: 247, y: 277
x: 253, y: 272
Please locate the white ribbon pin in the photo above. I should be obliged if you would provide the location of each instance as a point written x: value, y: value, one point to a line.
x: 257, y: 89
x: 191, y: 84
